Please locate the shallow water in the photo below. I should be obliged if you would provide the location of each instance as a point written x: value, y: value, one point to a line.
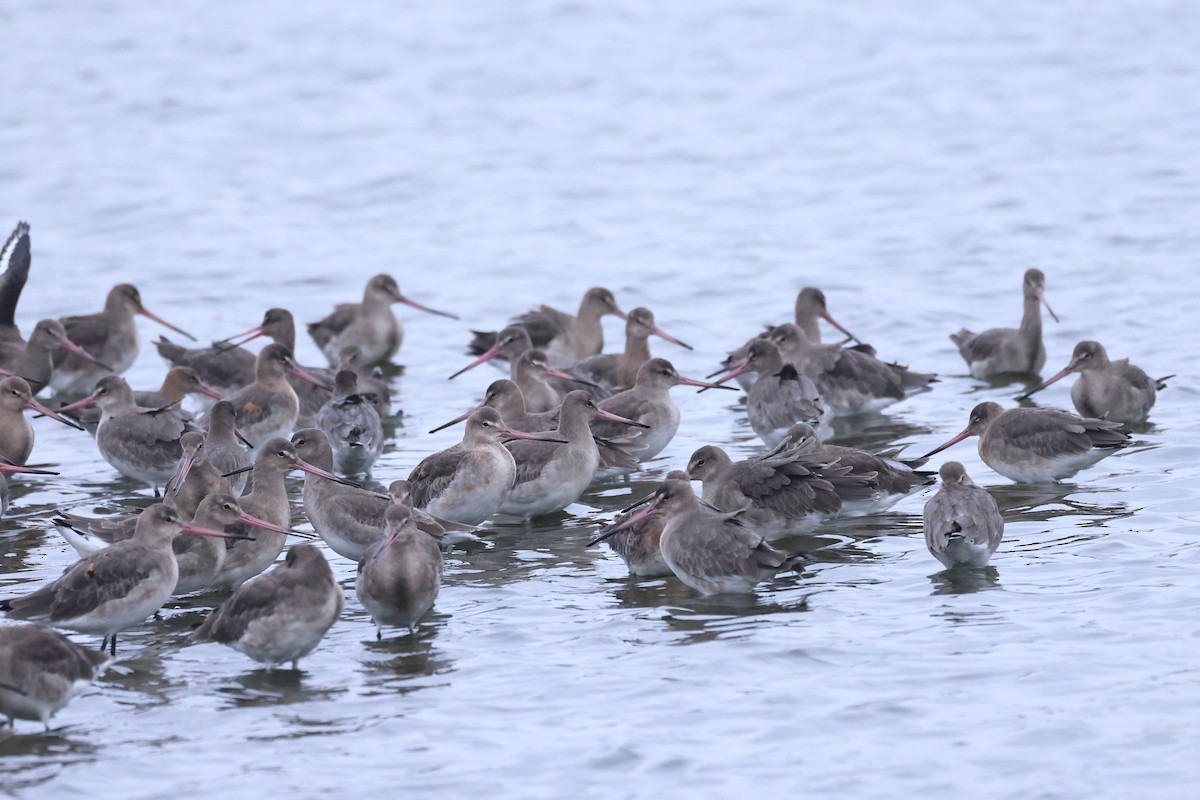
x: 707, y: 160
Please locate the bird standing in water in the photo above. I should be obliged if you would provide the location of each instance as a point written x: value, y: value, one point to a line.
x: 963, y: 526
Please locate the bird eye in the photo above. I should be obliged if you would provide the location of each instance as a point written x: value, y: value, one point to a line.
x: 700, y: 463
x: 280, y: 453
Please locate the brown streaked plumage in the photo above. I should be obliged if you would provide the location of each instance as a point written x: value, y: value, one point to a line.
x: 269, y: 407
x: 140, y: 443
x: 893, y: 478
x: 370, y: 325
x: 1005, y: 351
x: 710, y: 551
x: 781, y: 492
x: 809, y: 310
x: 41, y: 671
x: 962, y: 523
x: 648, y: 402
x: 618, y: 371
x: 16, y: 432
x: 282, y: 615
x: 399, y: 580
x: 110, y: 336
x: 117, y: 587
x: 1114, y: 390
x: 552, y: 473
x: 35, y: 360
x: 849, y: 380
x: 638, y: 543
x: 780, y: 395
x: 1038, y: 445
x: 468, y: 482
x: 564, y: 337
x: 267, y: 501
x: 226, y: 365
x: 351, y: 423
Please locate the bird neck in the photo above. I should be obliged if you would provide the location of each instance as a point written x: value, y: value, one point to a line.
x: 1031, y: 319
x: 574, y: 427
x: 268, y: 485
x: 285, y: 335
x: 171, y: 389
x: 808, y: 324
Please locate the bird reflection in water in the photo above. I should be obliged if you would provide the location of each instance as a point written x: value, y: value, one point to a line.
x: 875, y: 432
x: 1044, y: 502
x: 276, y: 687
x: 398, y: 664
x: 965, y: 580
x: 703, y: 618
x: 32, y: 759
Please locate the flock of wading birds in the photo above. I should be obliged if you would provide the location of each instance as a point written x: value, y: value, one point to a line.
x: 567, y: 415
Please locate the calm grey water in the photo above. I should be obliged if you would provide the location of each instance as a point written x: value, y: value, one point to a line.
x: 707, y: 160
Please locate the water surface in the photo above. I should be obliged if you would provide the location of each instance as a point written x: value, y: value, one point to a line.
x: 707, y: 160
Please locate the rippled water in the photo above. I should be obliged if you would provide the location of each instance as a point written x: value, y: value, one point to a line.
x: 704, y: 159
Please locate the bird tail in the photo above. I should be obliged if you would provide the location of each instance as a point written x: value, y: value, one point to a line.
x: 1161, y: 383
x: 481, y: 342
x: 618, y: 453
x: 915, y: 381
x: 31, y: 606
x: 169, y: 350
